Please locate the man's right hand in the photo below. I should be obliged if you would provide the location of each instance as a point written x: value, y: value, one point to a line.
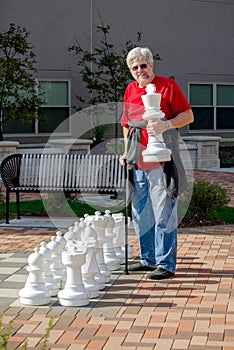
x: 122, y: 159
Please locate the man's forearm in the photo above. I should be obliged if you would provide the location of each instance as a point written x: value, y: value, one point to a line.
x: 125, y: 135
x: 182, y: 119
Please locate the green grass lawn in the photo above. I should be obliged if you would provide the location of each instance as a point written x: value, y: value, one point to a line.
x: 226, y: 214
x: 37, y: 208
x: 69, y: 208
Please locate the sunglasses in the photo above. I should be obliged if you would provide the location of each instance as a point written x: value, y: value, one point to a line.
x: 142, y: 66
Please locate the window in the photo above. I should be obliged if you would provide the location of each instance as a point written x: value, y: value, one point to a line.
x: 225, y: 107
x: 213, y: 106
x: 56, y: 106
x: 55, y: 110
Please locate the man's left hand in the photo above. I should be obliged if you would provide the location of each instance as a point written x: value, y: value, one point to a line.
x: 156, y: 127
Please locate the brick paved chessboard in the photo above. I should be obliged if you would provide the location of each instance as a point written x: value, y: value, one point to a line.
x: 194, y: 310
x: 13, y: 276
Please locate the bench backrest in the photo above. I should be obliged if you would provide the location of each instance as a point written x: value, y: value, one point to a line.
x: 63, y: 171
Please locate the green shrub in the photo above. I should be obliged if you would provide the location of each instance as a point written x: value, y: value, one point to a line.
x: 206, y: 197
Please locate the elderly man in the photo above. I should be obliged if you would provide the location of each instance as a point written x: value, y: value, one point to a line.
x: 154, y: 202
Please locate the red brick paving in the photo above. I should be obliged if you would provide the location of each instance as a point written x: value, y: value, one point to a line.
x: 194, y: 310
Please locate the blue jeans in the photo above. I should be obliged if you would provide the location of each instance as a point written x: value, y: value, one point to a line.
x: 155, y: 220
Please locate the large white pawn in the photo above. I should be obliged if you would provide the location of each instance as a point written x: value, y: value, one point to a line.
x: 70, y: 235
x: 51, y: 285
x: 62, y: 243
x: 35, y: 291
x: 86, y: 218
x: 78, y: 229
x: 99, y: 223
x: 61, y: 240
x: 111, y: 260
x: 57, y: 268
x: 82, y: 226
x: 90, y: 268
x: 74, y: 293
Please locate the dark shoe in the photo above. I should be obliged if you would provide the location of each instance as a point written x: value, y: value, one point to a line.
x: 140, y: 267
x: 160, y: 274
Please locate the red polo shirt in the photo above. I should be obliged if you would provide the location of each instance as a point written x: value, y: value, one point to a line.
x: 173, y: 102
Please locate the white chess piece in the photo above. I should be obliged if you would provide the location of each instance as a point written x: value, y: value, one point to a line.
x: 82, y: 226
x: 111, y: 260
x: 51, y: 285
x: 74, y: 292
x: 78, y: 229
x: 99, y: 222
x: 90, y: 267
x: 61, y: 240
x: 57, y: 268
x: 70, y: 235
x: 119, y: 238
x: 156, y: 150
x: 35, y: 291
x: 86, y: 218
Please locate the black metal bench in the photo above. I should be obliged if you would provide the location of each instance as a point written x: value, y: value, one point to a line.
x: 68, y: 173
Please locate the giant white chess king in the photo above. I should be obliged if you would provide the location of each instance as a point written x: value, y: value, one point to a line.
x: 156, y: 150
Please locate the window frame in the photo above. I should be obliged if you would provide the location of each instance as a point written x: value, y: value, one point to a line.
x: 215, y: 106
x: 56, y: 106
x: 36, y: 124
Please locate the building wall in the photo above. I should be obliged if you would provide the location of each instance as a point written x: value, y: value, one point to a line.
x: 194, y: 38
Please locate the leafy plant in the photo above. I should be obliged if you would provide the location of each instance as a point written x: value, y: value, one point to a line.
x: 18, y: 89
x: 6, y: 334
x: 47, y: 334
x: 225, y: 163
x: 206, y: 197
x: 104, y: 70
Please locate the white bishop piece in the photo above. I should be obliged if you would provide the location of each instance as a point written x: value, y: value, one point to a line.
x: 156, y: 150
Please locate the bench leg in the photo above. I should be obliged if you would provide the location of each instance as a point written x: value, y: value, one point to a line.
x: 7, y: 206
x: 18, y: 205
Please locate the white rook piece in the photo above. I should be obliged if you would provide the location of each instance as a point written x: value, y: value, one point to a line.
x: 156, y: 150
x: 74, y: 293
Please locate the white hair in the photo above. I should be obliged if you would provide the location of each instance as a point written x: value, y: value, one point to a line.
x: 142, y: 53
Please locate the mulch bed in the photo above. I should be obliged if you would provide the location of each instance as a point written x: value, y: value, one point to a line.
x: 196, y: 222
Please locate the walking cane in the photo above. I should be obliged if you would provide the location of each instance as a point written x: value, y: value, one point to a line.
x: 127, y: 196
